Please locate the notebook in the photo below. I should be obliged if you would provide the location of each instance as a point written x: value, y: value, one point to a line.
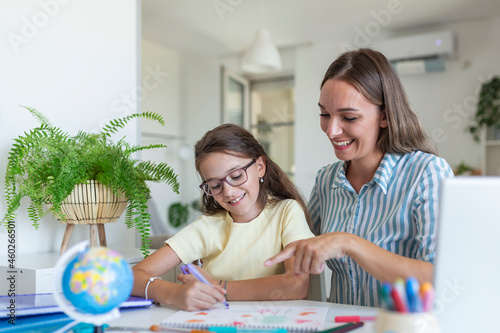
x: 291, y: 318
x: 35, y: 304
x: 467, y: 271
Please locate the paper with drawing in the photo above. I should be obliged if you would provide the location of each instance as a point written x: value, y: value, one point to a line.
x: 293, y: 318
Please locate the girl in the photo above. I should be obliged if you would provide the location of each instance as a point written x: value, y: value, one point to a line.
x: 251, y: 211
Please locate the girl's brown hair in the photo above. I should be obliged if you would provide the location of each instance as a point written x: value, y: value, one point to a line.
x: 235, y: 140
x: 373, y: 76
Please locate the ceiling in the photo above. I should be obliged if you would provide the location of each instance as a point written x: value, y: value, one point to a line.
x: 227, y: 27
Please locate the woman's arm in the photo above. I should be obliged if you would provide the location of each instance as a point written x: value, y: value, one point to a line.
x: 384, y: 265
x: 191, y: 296
x: 310, y: 255
x: 284, y: 286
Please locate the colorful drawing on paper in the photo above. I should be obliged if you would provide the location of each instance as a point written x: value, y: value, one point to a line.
x: 289, y: 317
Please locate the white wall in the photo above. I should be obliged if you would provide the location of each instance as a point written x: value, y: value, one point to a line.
x: 446, y: 102
x: 312, y: 148
x: 188, y: 97
x: 76, y: 62
x: 161, y: 81
x: 201, y: 110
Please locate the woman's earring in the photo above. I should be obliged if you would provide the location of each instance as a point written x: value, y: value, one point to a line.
x: 261, y: 179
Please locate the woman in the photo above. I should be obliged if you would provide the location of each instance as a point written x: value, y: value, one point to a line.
x: 375, y: 210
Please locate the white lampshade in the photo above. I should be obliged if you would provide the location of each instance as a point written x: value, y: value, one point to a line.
x: 262, y: 56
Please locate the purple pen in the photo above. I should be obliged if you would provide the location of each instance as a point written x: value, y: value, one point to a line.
x: 191, y: 269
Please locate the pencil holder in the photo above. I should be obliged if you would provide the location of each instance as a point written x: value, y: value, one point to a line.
x: 397, y: 322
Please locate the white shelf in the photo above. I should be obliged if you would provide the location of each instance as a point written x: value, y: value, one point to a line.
x: 490, y: 159
x: 492, y: 143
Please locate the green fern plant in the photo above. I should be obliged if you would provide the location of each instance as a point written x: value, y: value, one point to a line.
x: 46, y: 163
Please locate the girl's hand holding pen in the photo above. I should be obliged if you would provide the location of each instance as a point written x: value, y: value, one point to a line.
x: 196, y: 295
x: 193, y: 272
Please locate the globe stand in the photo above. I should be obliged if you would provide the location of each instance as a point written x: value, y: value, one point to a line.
x: 98, y: 329
x: 79, y: 316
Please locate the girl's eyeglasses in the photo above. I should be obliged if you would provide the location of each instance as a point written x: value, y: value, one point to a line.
x: 235, y: 178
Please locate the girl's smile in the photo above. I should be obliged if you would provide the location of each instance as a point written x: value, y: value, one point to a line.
x: 235, y: 201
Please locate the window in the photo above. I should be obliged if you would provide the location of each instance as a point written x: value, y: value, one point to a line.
x: 235, y: 100
x: 272, y: 119
x: 266, y: 107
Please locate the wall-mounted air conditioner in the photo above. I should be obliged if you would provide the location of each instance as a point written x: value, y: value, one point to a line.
x: 418, y: 53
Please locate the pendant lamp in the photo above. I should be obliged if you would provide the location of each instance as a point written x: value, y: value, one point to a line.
x: 262, y: 56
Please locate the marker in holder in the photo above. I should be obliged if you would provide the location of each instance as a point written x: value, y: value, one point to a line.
x: 406, y: 308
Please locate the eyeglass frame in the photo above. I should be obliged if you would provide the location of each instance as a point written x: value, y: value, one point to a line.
x: 222, y: 180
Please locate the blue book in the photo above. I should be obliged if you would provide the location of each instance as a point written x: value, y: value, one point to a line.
x: 41, y: 323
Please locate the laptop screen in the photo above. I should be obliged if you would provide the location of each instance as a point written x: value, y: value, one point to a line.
x: 467, y: 271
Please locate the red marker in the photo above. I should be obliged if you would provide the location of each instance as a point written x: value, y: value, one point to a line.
x: 350, y: 319
x: 399, y: 304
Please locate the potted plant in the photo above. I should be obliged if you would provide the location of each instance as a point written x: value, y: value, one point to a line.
x: 48, y: 165
x: 488, y: 108
x: 178, y: 213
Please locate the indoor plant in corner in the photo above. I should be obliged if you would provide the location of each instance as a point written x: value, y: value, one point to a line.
x: 488, y: 108
x: 48, y: 165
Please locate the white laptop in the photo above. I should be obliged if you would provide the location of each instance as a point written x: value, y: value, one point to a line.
x: 467, y: 271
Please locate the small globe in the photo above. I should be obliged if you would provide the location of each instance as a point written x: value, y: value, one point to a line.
x: 97, y: 280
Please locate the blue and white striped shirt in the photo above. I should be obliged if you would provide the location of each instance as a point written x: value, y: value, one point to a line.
x: 396, y: 210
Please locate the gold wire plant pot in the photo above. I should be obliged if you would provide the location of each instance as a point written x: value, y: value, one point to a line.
x: 93, y: 204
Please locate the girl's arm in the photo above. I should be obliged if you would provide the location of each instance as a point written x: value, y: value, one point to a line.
x: 191, y: 296
x: 383, y: 265
x: 277, y: 287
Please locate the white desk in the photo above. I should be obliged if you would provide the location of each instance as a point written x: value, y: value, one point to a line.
x: 145, y: 317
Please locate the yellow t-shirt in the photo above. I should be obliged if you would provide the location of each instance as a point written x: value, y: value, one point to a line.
x: 237, y: 251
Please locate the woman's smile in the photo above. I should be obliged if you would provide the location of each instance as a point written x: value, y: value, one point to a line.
x: 351, y: 122
x: 342, y: 145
